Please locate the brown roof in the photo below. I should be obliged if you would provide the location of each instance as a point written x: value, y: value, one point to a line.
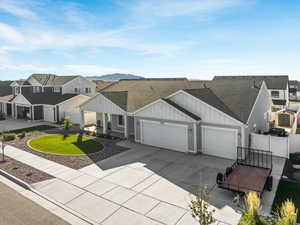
x: 143, y: 92
x: 52, y: 79
x: 229, y: 96
x: 101, y: 84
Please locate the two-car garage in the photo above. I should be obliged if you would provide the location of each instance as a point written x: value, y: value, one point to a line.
x: 216, y: 141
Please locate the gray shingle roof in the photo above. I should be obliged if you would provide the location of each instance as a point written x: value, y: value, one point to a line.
x: 5, y: 88
x: 118, y: 97
x: 272, y: 82
x: 47, y: 98
x: 52, y: 79
x: 236, y: 98
x: 208, y: 96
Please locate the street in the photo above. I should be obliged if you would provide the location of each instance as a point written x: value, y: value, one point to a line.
x: 18, y: 210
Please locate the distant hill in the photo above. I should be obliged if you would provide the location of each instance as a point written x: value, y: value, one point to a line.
x: 115, y: 76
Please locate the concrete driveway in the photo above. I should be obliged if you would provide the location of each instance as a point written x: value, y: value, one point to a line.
x: 144, y: 185
x: 10, y: 124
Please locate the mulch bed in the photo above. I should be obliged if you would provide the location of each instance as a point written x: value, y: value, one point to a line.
x: 22, y: 171
x: 75, y: 162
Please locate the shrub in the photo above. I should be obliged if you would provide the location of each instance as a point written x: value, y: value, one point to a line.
x: 287, y: 214
x: 9, y: 136
x: 22, y: 135
x: 252, y: 215
x: 67, y: 123
x: 199, y: 208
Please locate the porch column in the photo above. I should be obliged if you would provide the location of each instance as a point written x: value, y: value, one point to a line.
x: 126, y: 133
x: 82, y: 119
x: 104, y: 123
x: 32, y: 113
x: 15, y: 110
x: 195, y: 138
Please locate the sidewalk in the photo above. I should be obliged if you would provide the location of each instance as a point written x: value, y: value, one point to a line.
x: 118, y: 190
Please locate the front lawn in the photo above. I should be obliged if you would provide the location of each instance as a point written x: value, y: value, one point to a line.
x: 59, y: 144
x: 287, y: 189
x: 32, y: 129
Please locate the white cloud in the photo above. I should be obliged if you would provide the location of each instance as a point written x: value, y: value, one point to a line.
x: 18, y: 8
x: 10, y: 34
x: 167, y: 8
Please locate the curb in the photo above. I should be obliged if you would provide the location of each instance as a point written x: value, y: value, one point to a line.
x: 28, y: 187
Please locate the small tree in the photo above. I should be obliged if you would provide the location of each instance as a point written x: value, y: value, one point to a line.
x: 67, y: 123
x: 199, y: 207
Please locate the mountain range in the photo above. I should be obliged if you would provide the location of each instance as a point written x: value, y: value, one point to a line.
x: 115, y: 76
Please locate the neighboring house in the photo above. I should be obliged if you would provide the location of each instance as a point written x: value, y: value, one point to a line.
x: 47, y: 97
x: 212, y: 117
x: 294, y: 89
x: 278, y: 87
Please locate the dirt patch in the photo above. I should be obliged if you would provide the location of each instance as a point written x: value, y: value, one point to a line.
x: 22, y: 171
x: 76, y: 161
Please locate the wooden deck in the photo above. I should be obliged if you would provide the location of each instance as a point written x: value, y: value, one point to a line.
x: 246, y: 178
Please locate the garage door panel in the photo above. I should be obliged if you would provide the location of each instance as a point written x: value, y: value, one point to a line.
x: 219, y: 142
x: 49, y: 114
x: 165, y: 135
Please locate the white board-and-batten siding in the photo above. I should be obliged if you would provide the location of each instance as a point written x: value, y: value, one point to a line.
x: 207, y: 113
x: 101, y: 104
x: 164, y: 111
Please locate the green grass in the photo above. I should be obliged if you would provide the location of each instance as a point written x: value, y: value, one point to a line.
x: 32, y: 129
x: 287, y: 189
x: 67, y: 146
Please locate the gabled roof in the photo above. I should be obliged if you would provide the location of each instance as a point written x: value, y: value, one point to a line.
x: 273, y: 82
x: 228, y: 96
x: 47, y: 98
x: 52, y: 79
x: 208, y: 96
x: 238, y: 96
x: 117, y: 97
x: 142, y: 92
x: 183, y: 110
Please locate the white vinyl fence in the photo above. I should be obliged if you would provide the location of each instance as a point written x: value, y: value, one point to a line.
x: 279, y: 146
x: 294, y: 143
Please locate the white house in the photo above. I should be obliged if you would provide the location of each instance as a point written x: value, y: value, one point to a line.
x: 47, y: 97
x: 182, y: 115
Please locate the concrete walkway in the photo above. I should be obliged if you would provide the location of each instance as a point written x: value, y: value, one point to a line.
x: 137, y: 187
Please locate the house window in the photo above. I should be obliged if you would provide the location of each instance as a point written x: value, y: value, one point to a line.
x: 120, y: 120
x: 36, y: 89
x: 88, y: 90
x: 56, y: 89
x: 275, y: 94
x: 77, y: 90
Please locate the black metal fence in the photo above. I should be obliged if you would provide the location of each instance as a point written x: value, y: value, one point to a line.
x: 254, y: 157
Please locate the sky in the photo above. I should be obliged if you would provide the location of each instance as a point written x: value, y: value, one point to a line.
x: 196, y: 39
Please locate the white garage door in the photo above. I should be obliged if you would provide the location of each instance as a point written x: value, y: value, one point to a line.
x: 49, y: 114
x: 219, y: 142
x: 164, y: 135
